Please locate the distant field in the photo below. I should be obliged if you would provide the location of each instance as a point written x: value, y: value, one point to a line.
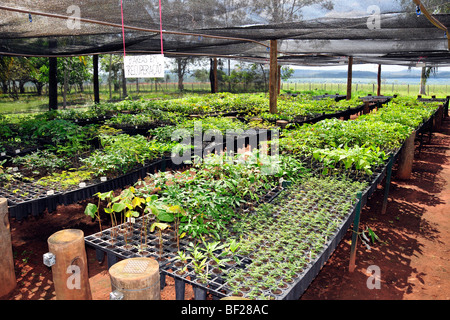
x: 31, y: 103
x: 386, y: 89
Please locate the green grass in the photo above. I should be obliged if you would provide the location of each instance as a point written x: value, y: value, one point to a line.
x: 440, y: 90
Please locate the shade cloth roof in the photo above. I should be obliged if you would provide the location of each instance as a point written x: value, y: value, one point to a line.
x: 310, y: 32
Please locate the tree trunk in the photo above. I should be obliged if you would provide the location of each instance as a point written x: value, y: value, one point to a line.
x: 180, y: 75
x: 5, y: 88
x: 423, y: 81
x: 39, y: 86
x: 22, y: 86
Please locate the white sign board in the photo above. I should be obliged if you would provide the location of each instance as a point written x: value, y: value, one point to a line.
x: 148, y: 66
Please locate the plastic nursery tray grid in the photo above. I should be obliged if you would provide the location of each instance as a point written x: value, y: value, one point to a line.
x: 129, y: 241
x: 40, y: 198
x: 112, y: 243
x: 217, y: 285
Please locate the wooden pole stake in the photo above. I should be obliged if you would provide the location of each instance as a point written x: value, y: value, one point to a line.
x: 96, y: 81
x: 349, y: 78
x: 7, y: 275
x: 379, y: 81
x: 352, y: 263
x: 273, y: 76
x: 406, y: 158
x: 70, y: 272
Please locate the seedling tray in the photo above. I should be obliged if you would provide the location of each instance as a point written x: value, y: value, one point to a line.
x: 39, y: 198
x: 113, y: 243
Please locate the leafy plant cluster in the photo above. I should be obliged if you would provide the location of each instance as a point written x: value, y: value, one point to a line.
x: 213, y: 190
x: 121, y: 153
x: 406, y: 111
x: 361, y: 144
x: 190, y: 127
x: 302, y: 107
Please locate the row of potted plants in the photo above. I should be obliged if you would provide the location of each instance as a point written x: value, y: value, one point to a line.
x: 218, y: 204
x: 362, y: 144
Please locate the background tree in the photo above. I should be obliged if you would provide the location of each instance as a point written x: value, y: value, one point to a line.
x: 112, y: 65
x: 202, y: 75
x: 181, y: 68
x: 425, y: 75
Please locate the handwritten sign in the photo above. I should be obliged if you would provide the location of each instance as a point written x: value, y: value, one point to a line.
x: 148, y: 66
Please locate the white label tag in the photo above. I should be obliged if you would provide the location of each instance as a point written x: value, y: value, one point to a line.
x: 17, y: 151
x: 146, y: 66
x: 3, y: 154
x: 50, y: 192
x: 131, y: 219
x: 15, y: 169
x: 103, y: 179
x: 82, y: 184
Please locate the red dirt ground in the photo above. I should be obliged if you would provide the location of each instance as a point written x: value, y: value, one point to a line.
x: 413, y: 255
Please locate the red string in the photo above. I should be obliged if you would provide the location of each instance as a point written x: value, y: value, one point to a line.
x: 160, y: 28
x: 123, y: 28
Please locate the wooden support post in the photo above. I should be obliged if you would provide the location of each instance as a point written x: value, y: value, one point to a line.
x: 53, y: 84
x: 379, y: 81
x: 216, y: 83
x: 136, y: 279
x: 349, y: 78
x: 70, y: 272
x: 124, y: 84
x: 406, y: 158
x: 95, y: 80
x: 366, y: 108
x: 7, y: 275
x: 352, y: 263
x: 273, y: 77
x: 213, y: 75
x: 279, y: 79
x: 387, y: 185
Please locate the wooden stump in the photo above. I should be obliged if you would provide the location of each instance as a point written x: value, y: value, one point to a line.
x: 136, y: 279
x: 7, y: 275
x: 70, y: 272
x: 406, y: 158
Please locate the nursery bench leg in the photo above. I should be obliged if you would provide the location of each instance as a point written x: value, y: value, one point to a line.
x: 100, y: 255
x: 355, y: 234
x: 112, y: 259
x: 388, y: 183
x: 179, y: 289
